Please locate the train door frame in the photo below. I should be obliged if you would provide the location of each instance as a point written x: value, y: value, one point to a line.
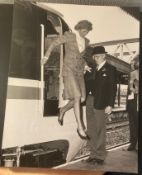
x: 6, y: 14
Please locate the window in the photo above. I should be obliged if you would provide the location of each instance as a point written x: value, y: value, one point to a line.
x: 23, y: 58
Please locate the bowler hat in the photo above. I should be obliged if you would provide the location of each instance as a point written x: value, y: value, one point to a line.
x: 98, y: 50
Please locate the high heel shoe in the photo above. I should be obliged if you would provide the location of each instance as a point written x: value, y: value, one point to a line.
x: 86, y: 137
x: 60, y: 119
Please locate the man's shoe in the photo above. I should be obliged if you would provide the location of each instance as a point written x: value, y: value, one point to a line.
x: 88, y: 160
x: 100, y: 162
x: 97, y: 162
x: 94, y: 161
x: 131, y: 148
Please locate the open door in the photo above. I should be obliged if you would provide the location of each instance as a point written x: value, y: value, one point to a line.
x: 51, y: 78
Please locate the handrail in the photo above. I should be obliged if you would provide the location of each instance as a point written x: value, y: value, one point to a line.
x: 42, y: 69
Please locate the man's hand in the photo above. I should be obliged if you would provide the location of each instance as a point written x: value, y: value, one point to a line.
x: 134, y: 90
x: 108, y: 110
x: 44, y: 60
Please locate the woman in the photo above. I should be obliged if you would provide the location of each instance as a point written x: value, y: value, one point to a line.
x: 73, y: 71
x: 134, y: 76
x: 133, y: 103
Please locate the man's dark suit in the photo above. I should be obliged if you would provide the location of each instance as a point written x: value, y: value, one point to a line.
x: 103, y: 89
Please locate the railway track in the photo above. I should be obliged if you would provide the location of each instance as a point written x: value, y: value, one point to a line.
x: 117, y: 136
x: 73, y: 162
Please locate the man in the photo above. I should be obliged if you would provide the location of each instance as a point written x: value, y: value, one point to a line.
x: 99, y: 104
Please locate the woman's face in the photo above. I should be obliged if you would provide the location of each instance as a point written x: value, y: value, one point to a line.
x: 132, y: 64
x: 83, y: 32
x: 136, y: 65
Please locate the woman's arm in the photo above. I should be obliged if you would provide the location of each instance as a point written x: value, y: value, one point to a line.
x: 131, y: 81
x: 60, y: 40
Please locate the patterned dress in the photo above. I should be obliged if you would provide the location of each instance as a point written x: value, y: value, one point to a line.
x: 73, y: 65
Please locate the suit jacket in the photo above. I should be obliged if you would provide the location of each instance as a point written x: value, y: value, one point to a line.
x: 105, y: 87
x: 90, y: 79
x: 73, y: 61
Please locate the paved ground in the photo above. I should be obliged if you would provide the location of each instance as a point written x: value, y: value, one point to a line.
x: 118, y: 160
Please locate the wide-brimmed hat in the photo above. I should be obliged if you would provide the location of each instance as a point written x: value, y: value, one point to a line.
x: 98, y: 50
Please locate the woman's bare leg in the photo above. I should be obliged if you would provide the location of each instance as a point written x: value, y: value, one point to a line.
x: 77, y: 103
x: 68, y: 106
x: 65, y: 108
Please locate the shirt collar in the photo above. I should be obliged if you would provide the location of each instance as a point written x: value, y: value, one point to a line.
x: 101, y: 65
x: 78, y: 36
x: 80, y: 42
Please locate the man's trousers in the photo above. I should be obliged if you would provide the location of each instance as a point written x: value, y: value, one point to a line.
x: 133, y: 121
x: 96, y: 129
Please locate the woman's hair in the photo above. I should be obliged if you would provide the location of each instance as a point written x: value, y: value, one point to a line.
x: 84, y: 24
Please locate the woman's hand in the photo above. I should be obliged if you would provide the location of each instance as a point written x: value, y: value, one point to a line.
x: 44, y: 60
x: 87, y: 68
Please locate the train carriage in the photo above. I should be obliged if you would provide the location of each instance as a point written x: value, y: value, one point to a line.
x: 32, y: 135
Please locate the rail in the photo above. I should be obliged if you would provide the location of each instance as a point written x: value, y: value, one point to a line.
x: 117, y: 135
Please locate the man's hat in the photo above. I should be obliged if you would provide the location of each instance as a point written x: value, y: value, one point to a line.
x: 98, y: 50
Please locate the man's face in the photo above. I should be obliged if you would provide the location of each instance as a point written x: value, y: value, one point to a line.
x: 99, y: 58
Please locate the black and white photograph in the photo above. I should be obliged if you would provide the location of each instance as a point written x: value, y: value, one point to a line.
x: 71, y: 87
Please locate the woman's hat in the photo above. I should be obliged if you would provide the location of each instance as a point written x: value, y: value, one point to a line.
x: 98, y: 50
